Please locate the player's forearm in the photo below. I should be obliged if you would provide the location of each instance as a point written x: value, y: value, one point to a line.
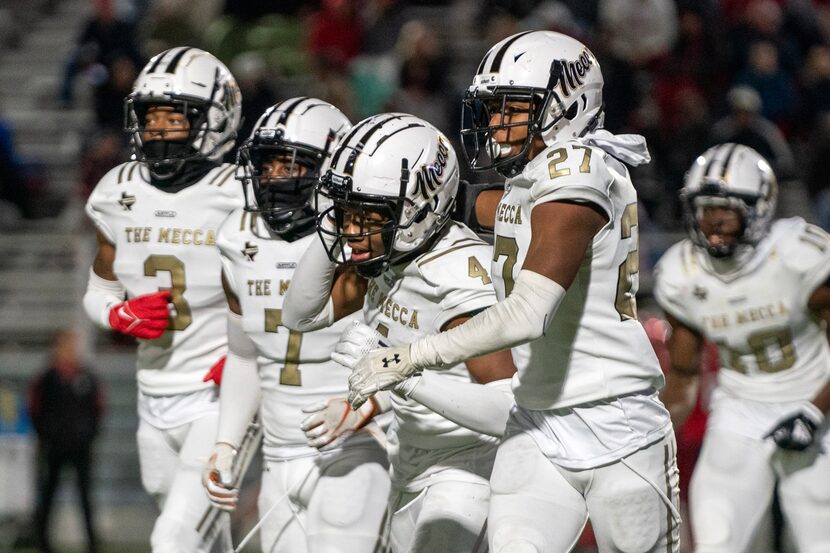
x: 822, y: 399
x: 480, y: 407
x: 240, y: 392
x: 522, y: 317
x: 679, y: 396
x: 308, y: 305
x: 101, y: 294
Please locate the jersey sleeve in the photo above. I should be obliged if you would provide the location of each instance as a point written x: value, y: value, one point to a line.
x: 807, y: 253
x: 576, y: 173
x: 671, y: 286
x: 227, y: 241
x: 461, y: 279
x: 104, y: 200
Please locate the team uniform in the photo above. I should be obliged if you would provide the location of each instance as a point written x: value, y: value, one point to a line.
x: 439, y: 470
x: 336, y: 499
x: 774, y: 356
x: 588, y: 434
x: 168, y: 241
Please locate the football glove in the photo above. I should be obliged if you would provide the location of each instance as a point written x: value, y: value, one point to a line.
x: 145, y: 316
x: 355, y: 342
x: 217, y: 478
x: 381, y: 369
x: 215, y: 372
x: 329, y: 423
x: 797, y: 431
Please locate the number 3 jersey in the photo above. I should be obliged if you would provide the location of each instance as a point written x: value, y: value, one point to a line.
x: 772, y: 348
x: 295, y: 368
x: 418, y: 299
x: 594, y: 348
x: 167, y: 241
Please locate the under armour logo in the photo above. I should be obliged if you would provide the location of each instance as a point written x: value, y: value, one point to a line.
x: 395, y: 358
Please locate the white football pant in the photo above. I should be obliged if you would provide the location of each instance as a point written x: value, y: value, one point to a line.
x: 446, y: 516
x: 336, y: 502
x: 732, y: 486
x: 539, y: 507
x: 171, y: 470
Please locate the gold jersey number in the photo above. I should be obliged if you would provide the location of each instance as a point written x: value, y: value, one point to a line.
x: 509, y: 248
x: 626, y: 302
x: 173, y: 265
x: 773, y: 350
x: 290, y: 372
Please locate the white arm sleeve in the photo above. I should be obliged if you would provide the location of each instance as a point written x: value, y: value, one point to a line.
x: 522, y: 317
x: 101, y: 294
x: 480, y: 407
x: 308, y: 304
x: 240, y: 391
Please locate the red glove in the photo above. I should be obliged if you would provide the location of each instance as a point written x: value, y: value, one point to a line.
x: 215, y: 372
x: 144, y: 316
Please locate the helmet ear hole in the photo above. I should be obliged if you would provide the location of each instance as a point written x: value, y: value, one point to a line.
x: 572, y: 111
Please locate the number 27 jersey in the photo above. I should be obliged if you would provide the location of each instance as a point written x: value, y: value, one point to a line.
x: 594, y: 348
x: 168, y: 241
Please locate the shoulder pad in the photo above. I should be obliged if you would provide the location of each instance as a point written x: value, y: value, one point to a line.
x: 234, y: 229
x: 804, y: 248
x: 461, y: 253
x: 674, y: 279
x: 572, y: 171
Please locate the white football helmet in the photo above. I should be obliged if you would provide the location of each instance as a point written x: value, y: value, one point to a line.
x: 733, y: 176
x: 396, y: 165
x: 556, y: 75
x: 302, y: 132
x: 197, y: 84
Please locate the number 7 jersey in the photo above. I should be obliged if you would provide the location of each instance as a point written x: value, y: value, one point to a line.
x: 772, y: 348
x: 167, y: 241
x: 594, y: 348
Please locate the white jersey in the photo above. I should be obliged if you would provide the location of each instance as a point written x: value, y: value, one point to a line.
x: 168, y: 241
x: 772, y: 348
x: 594, y: 348
x: 415, y: 300
x: 295, y: 368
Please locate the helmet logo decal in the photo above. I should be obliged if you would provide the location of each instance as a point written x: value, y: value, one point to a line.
x: 429, y: 177
x: 570, y: 74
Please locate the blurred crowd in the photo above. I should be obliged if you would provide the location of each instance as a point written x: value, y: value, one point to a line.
x: 684, y: 73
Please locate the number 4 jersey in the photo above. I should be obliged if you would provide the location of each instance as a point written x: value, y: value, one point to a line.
x: 167, y: 241
x: 772, y: 348
x: 594, y: 348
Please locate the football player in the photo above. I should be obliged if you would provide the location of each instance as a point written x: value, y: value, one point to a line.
x: 328, y: 500
x: 393, y: 182
x: 760, y: 291
x: 589, y: 436
x: 156, y: 276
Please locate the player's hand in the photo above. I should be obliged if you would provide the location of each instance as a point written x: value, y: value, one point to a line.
x: 381, y: 369
x: 217, y: 478
x: 356, y: 341
x: 797, y: 431
x: 329, y: 423
x: 215, y: 372
x: 144, y: 316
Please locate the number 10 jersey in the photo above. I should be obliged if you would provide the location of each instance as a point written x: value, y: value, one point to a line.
x: 772, y: 348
